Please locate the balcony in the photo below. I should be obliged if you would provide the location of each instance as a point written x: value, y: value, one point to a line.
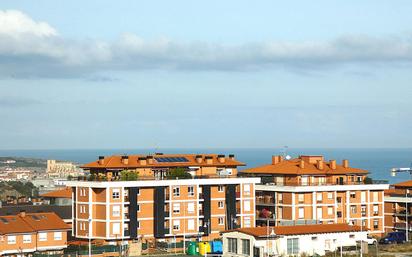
x: 319, y: 183
x: 265, y: 200
x: 103, y: 178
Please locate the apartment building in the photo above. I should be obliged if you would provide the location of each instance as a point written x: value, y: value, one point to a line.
x: 398, y: 203
x: 209, y: 198
x: 28, y: 233
x: 309, y: 190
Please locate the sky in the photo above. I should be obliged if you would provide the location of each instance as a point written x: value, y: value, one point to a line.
x: 212, y: 74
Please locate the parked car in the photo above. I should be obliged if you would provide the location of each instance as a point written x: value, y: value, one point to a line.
x: 394, y: 238
x: 370, y: 240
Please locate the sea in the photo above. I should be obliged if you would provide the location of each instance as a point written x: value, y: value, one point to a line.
x: 378, y: 161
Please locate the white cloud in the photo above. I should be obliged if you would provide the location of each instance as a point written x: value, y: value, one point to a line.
x: 30, y: 48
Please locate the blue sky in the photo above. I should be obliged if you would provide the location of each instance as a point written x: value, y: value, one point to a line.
x: 134, y: 74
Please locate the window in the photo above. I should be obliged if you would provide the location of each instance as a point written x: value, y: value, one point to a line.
x: 138, y: 224
x: 220, y: 204
x: 351, y: 236
x: 190, y: 190
x: 11, y: 240
x: 246, y: 205
x: 191, y: 224
x: 138, y: 191
x: 82, y: 208
x: 190, y: 207
x: 221, y: 221
x: 176, y: 191
x: 330, y: 211
x: 293, y: 246
x: 116, y: 211
x: 375, y: 196
x: 176, y: 225
x: 314, y: 238
x: 246, y: 247
x: 138, y: 207
x: 26, y: 239
x: 363, y: 196
x: 352, y: 195
x: 176, y: 208
x: 116, y: 228
x: 319, y: 212
x: 280, y: 213
x: 353, y: 209
x: 220, y: 189
x: 246, y: 221
x: 232, y: 245
x: 375, y: 209
x: 280, y: 198
x: 116, y: 194
x: 339, y: 214
x: 330, y: 195
x: 246, y: 189
x: 339, y: 199
x: 301, y: 213
x: 375, y: 224
x: 58, y: 236
x: 319, y: 197
x: 363, y: 210
x: 301, y: 198
x: 364, y: 223
x: 42, y: 236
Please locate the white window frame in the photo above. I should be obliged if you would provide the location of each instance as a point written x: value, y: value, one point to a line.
x: 176, y: 191
x: 191, y: 191
x: 26, y: 239
x: 176, y: 225
x: 43, y: 236
x: 221, y: 221
x: 246, y: 205
x: 11, y: 240
x: 116, y: 193
x: 220, y: 189
x: 191, y: 224
x: 246, y: 222
x: 176, y: 208
x: 220, y: 205
x: 116, y: 228
x: 116, y: 211
x: 319, y: 196
x: 246, y: 189
x: 58, y: 235
x: 330, y: 195
x: 330, y: 211
x: 301, y: 213
x: 191, y: 207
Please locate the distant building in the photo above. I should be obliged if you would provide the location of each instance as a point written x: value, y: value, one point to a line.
x: 398, y: 207
x: 28, y: 233
x: 309, y: 190
x: 60, y: 197
x: 304, y: 240
x: 62, y: 169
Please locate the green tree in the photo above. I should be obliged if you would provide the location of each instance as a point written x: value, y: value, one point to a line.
x: 178, y: 173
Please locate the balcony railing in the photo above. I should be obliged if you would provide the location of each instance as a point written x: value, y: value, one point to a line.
x: 139, y: 178
x: 317, y: 183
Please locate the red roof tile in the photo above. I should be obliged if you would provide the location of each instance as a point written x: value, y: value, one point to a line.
x: 61, y: 193
x: 298, y: 230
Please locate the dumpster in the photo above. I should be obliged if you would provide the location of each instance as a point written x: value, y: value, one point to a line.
x: 204, y: 247
x: 217, y: 246
x: 192, y: 249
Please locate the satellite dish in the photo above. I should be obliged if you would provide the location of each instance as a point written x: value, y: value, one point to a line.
x: 288, y: 157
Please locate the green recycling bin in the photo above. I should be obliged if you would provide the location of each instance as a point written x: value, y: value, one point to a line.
x: 192, y: 249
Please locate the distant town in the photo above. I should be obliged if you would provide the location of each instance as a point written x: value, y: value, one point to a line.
x: 200, y: 204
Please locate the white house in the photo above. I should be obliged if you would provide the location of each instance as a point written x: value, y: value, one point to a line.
x: 290, y: 240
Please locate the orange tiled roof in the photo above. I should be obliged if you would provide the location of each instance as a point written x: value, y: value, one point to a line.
x: 407, y: 183
x: 61, y: 193
x: 30, y: 223
x: 298, y: 230
x: 292, y: 167
x: 115, y: 161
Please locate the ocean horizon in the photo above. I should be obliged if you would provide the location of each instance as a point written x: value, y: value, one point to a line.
x: 378, y: 161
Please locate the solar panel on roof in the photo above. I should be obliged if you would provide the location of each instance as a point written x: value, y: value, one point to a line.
x: 35, y: 217
x: 171, y: 159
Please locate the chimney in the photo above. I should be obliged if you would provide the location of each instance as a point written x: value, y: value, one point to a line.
x: 142, y: 160
x: 221, y: 158
x: 302, y: 164
x: 22, y: 213
x: 209, y: 159
x: 101, y: 160
x: 333, y: 164
x: 198, y: 158
x: 150, y: 159
x: 277, y: 159
x: 345, y: 163
x: 125, y: 159
x: 232, y: 157
x: 319, y: 164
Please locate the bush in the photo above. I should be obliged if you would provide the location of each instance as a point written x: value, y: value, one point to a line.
x: 178, y: 173
x: 128, y: 175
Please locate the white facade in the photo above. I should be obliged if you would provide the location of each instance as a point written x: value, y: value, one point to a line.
x: 280, y: 245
